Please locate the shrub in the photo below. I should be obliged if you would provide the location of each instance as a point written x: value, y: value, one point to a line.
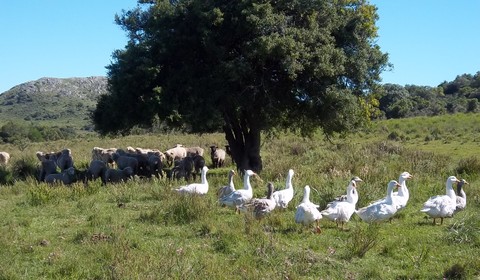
x: 464, y: 230
x: 455, y: 272
x: 6, y: 177
x: 395, y: 136
x: 362, y: 240
x: 41, y: 195
x: 469, y: 166
x: 154, y: 216
x: 24, y: 168
x: 186, y: 210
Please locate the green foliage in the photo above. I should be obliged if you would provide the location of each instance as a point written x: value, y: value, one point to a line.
x: 25, y: 167
x: 362, y: 240
x: 469, y: 166
x: 6, y: 177
x: 307, y: 65
x: 464, y: 230
x: 457, y: 271
x: 185, y: 209
x: 17, y: 133
x: 459, y: 95
x: 42, y: 195
x: 144, y: 229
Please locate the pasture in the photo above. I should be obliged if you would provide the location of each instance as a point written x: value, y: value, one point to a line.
x: 143, y: 230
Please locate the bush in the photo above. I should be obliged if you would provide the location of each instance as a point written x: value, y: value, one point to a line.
x: 468, y: 166
x: 185, y: 209
x: 455, y: 272
x: 6, y: 177
x: 464, y: 230
x: 395, y: 136
x: 24, y: 168
x: 362, y: 240
x: 41, y: 195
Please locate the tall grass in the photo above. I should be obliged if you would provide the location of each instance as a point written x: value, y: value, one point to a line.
x: 143, y: 229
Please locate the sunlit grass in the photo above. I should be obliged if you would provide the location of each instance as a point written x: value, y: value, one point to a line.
x: 142, y: 229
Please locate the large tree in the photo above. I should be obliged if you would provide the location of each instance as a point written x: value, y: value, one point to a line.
x: 244, y: 66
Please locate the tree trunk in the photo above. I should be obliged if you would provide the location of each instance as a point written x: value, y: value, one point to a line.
x: 243, y: 136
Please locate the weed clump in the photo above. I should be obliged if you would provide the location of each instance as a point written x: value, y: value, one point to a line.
x: 469, y: 166
x: 6, y: 177
x: 362, y: 240
x: 464, y: 230
x: 457, y: 271
x: 185, y: 209
x: 41, y: 195
x: 395, y: 136
x: 24, y: 168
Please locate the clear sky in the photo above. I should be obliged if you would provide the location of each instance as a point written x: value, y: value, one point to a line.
x: 58, y: 38
x: 428, y: 41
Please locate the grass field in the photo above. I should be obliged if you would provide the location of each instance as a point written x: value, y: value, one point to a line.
x: 143, y: 230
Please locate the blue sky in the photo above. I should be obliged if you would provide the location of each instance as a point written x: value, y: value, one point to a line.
x: 428, y: 41
x: 58, y: 38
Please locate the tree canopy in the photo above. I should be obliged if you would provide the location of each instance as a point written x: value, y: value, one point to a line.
x: 244, y: 66
x: 459, y: 95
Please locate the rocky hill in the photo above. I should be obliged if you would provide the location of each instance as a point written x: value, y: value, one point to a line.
x: 53, y: 101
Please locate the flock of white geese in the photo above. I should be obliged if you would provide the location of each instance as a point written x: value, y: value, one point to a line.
x: 340, y: 210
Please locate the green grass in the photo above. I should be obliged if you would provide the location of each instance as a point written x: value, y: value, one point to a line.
x: 144, y: 230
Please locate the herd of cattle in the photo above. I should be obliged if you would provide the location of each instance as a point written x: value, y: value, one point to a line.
x: 114, y: 165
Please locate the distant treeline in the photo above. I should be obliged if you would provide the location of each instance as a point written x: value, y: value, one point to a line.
x: 459, y: 95
x: 18, y: 133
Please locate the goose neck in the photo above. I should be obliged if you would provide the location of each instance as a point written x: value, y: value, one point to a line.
x: 450, y: 192
x: 289, y: 182
x: 270, y: 192
x: 389, y: 194
x: 246, y: 182
x: 204, y: 177
x: 403, y: 186
x: 460, y: 191
x: 352, y: 195
x: 306, y: 196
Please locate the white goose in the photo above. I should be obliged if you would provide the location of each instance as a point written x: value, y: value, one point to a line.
x: 283, y: 197
x: 442, y: 206
x: 401, y: 197
x: 260, y: 207
x: 380, y: 211
x: 307, y: 211
x: 227, y: 189
x: 239, y: 197
x: 461, y: 196
x: 341, y: 211
x: 196, y: 188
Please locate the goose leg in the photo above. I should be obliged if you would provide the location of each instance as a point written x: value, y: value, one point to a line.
x: 318, y: 229
x: 441, y: 221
